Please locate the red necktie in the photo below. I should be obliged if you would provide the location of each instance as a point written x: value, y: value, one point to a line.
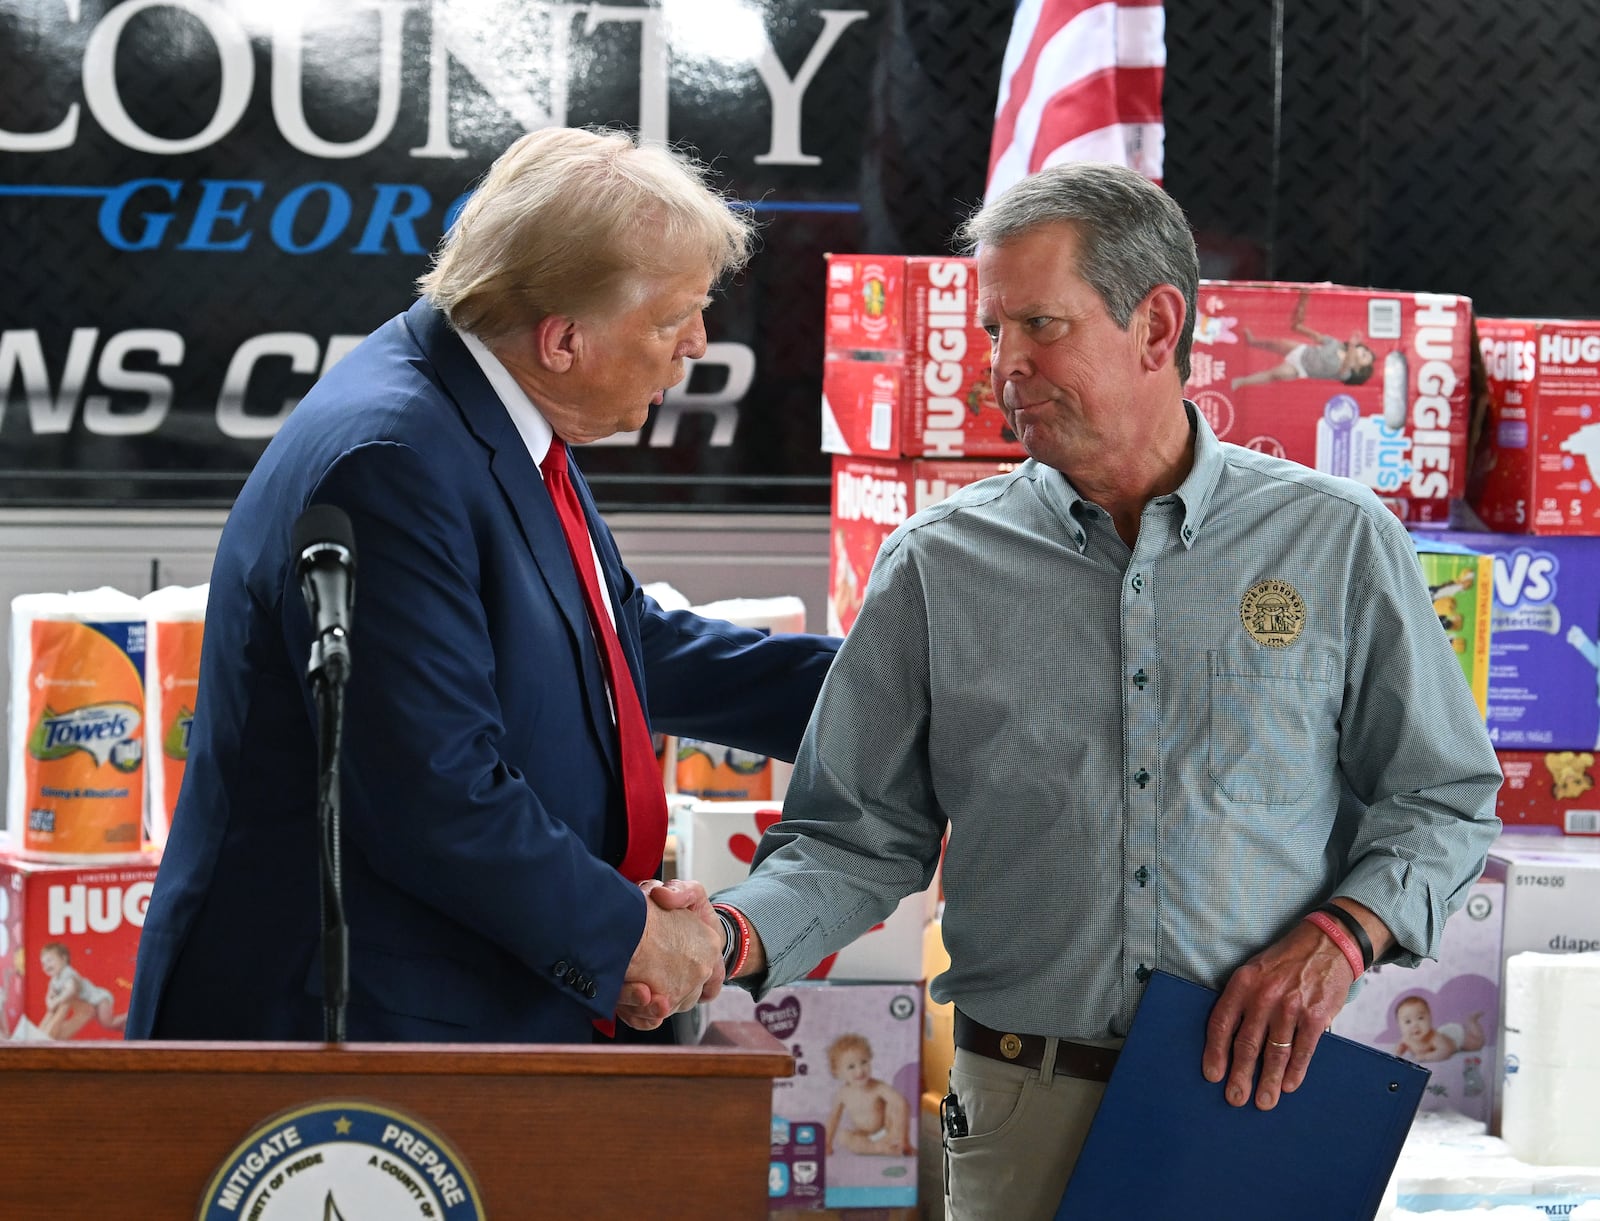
x: 642, y: 789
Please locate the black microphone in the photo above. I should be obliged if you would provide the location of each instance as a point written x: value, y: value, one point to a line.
x: 326, y: 567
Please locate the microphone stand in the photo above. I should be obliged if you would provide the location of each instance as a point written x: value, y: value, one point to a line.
x: 330, y: 667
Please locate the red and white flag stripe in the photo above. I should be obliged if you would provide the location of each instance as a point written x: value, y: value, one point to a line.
x: 1081, y: 81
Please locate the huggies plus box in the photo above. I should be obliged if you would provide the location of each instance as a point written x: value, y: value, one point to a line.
x: 69, y: 935
x: 845, y: 1126
x: 1549, y: 790
x: 1442, y: 1014
x: 1371, y: 385
x: 870, y: 498
x: 1537, y: 469
x: 906, y: 368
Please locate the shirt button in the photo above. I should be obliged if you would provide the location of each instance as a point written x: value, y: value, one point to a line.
x: 1142, y: 974
x: 1188, y: 533
x: 1140, y: 678
x: 1138, y: 582
x: 1141, y: 777
x: 1142, y: 875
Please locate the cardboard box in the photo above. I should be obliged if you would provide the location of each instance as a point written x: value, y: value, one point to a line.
x: 1544, y: 647
x: 1368, y: 384
x: 1461, y: 581
x: 845, y: 1127
x: 1457, y: 996
x: 1549, y: 790
x: 1538, y: 464
x: 870, y: 498
x: 717, y: 840
x: 906, y: 368
x: 69, y: 935
x: 1552, y: 904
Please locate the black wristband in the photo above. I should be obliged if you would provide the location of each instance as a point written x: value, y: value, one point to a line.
x: 730, y: 940
x: 1354, y: 927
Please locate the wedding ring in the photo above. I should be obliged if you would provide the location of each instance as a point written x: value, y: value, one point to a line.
x: 1275, y: 1043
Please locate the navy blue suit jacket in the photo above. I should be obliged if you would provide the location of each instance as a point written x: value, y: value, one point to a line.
x: 481, y: 798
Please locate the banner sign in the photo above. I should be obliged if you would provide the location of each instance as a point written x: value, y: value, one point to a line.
x: 207, y: 203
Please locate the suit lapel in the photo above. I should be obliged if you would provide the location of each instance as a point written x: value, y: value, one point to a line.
x: 524, y: 490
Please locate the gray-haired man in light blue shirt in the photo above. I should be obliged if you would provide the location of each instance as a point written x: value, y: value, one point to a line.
x: 1171, y: 697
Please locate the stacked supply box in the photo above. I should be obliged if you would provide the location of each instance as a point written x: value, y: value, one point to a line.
x: 69, y: 935
x: 906, y: 372
x: 1552, y: 906
x: 870, y: 498
x: 1544, y: 649
x: 717, y: 840
x: 1550, y: 790
x: 845, y: 1126
x: 1537, y: 469
x: 1368, y: 384
x: 1459, y: 581
x: 1443, y: 1014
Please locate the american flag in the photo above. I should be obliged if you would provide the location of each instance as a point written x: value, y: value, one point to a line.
x: 1081, y: 82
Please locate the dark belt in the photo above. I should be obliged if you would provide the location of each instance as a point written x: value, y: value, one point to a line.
x: 1072, y: 1059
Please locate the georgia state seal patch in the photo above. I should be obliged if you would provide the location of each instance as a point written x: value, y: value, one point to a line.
x: 1273, y: 612
x: 342, y: 1161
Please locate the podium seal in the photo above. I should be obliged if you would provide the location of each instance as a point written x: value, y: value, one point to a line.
x: 342, y: 1161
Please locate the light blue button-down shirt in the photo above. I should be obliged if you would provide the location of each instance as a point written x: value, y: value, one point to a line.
x: 1156, y: 757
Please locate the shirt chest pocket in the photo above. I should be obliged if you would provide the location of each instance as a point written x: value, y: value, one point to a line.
x: 1272, y: 727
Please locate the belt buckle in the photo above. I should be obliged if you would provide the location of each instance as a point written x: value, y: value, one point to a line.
x: 1010, y: 1046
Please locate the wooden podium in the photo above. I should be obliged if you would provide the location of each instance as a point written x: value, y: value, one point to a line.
x: 139, y: 1130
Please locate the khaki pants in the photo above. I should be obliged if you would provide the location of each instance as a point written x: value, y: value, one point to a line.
x: 1024, y: 1130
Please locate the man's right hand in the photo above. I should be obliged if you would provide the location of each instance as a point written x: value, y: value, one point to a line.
x: 678, y: 963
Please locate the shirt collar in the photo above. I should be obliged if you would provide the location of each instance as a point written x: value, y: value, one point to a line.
x: 1198, y: 488
x: 532, y: 427
x: 1194, y: 492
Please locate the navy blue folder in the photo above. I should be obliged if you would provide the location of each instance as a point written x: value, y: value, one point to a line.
x: 1164, y: 1143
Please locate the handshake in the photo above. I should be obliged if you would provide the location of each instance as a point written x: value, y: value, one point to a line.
x: 678, y: 962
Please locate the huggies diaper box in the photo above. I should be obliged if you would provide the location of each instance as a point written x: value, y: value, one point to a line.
x: 870, y: 498
x: 69, y: 935
x: 1538, y: 465
x: 1544, y: 646
x: 845, y: 1126
x: 1369, y: 384
x: 906, y: 368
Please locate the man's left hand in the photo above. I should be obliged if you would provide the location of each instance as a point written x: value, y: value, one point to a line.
x: 1272, y: 1013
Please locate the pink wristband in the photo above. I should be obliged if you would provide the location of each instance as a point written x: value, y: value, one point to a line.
x: 1340, y: 938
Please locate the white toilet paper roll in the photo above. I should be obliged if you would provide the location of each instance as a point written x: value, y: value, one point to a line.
x: 1551, y: 1082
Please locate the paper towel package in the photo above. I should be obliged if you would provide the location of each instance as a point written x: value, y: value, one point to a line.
x: 1550, y: 1112
x: 1552, y: 906
x: 845, y: 1126
x: 1549, y: 790
x: 76, y: 789
x: 700, y: 768
x: 717, y: 840
x: 1544, y: 646
x: 69, y: 935
x: 176, y: 618
x: 1442, y: 1014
